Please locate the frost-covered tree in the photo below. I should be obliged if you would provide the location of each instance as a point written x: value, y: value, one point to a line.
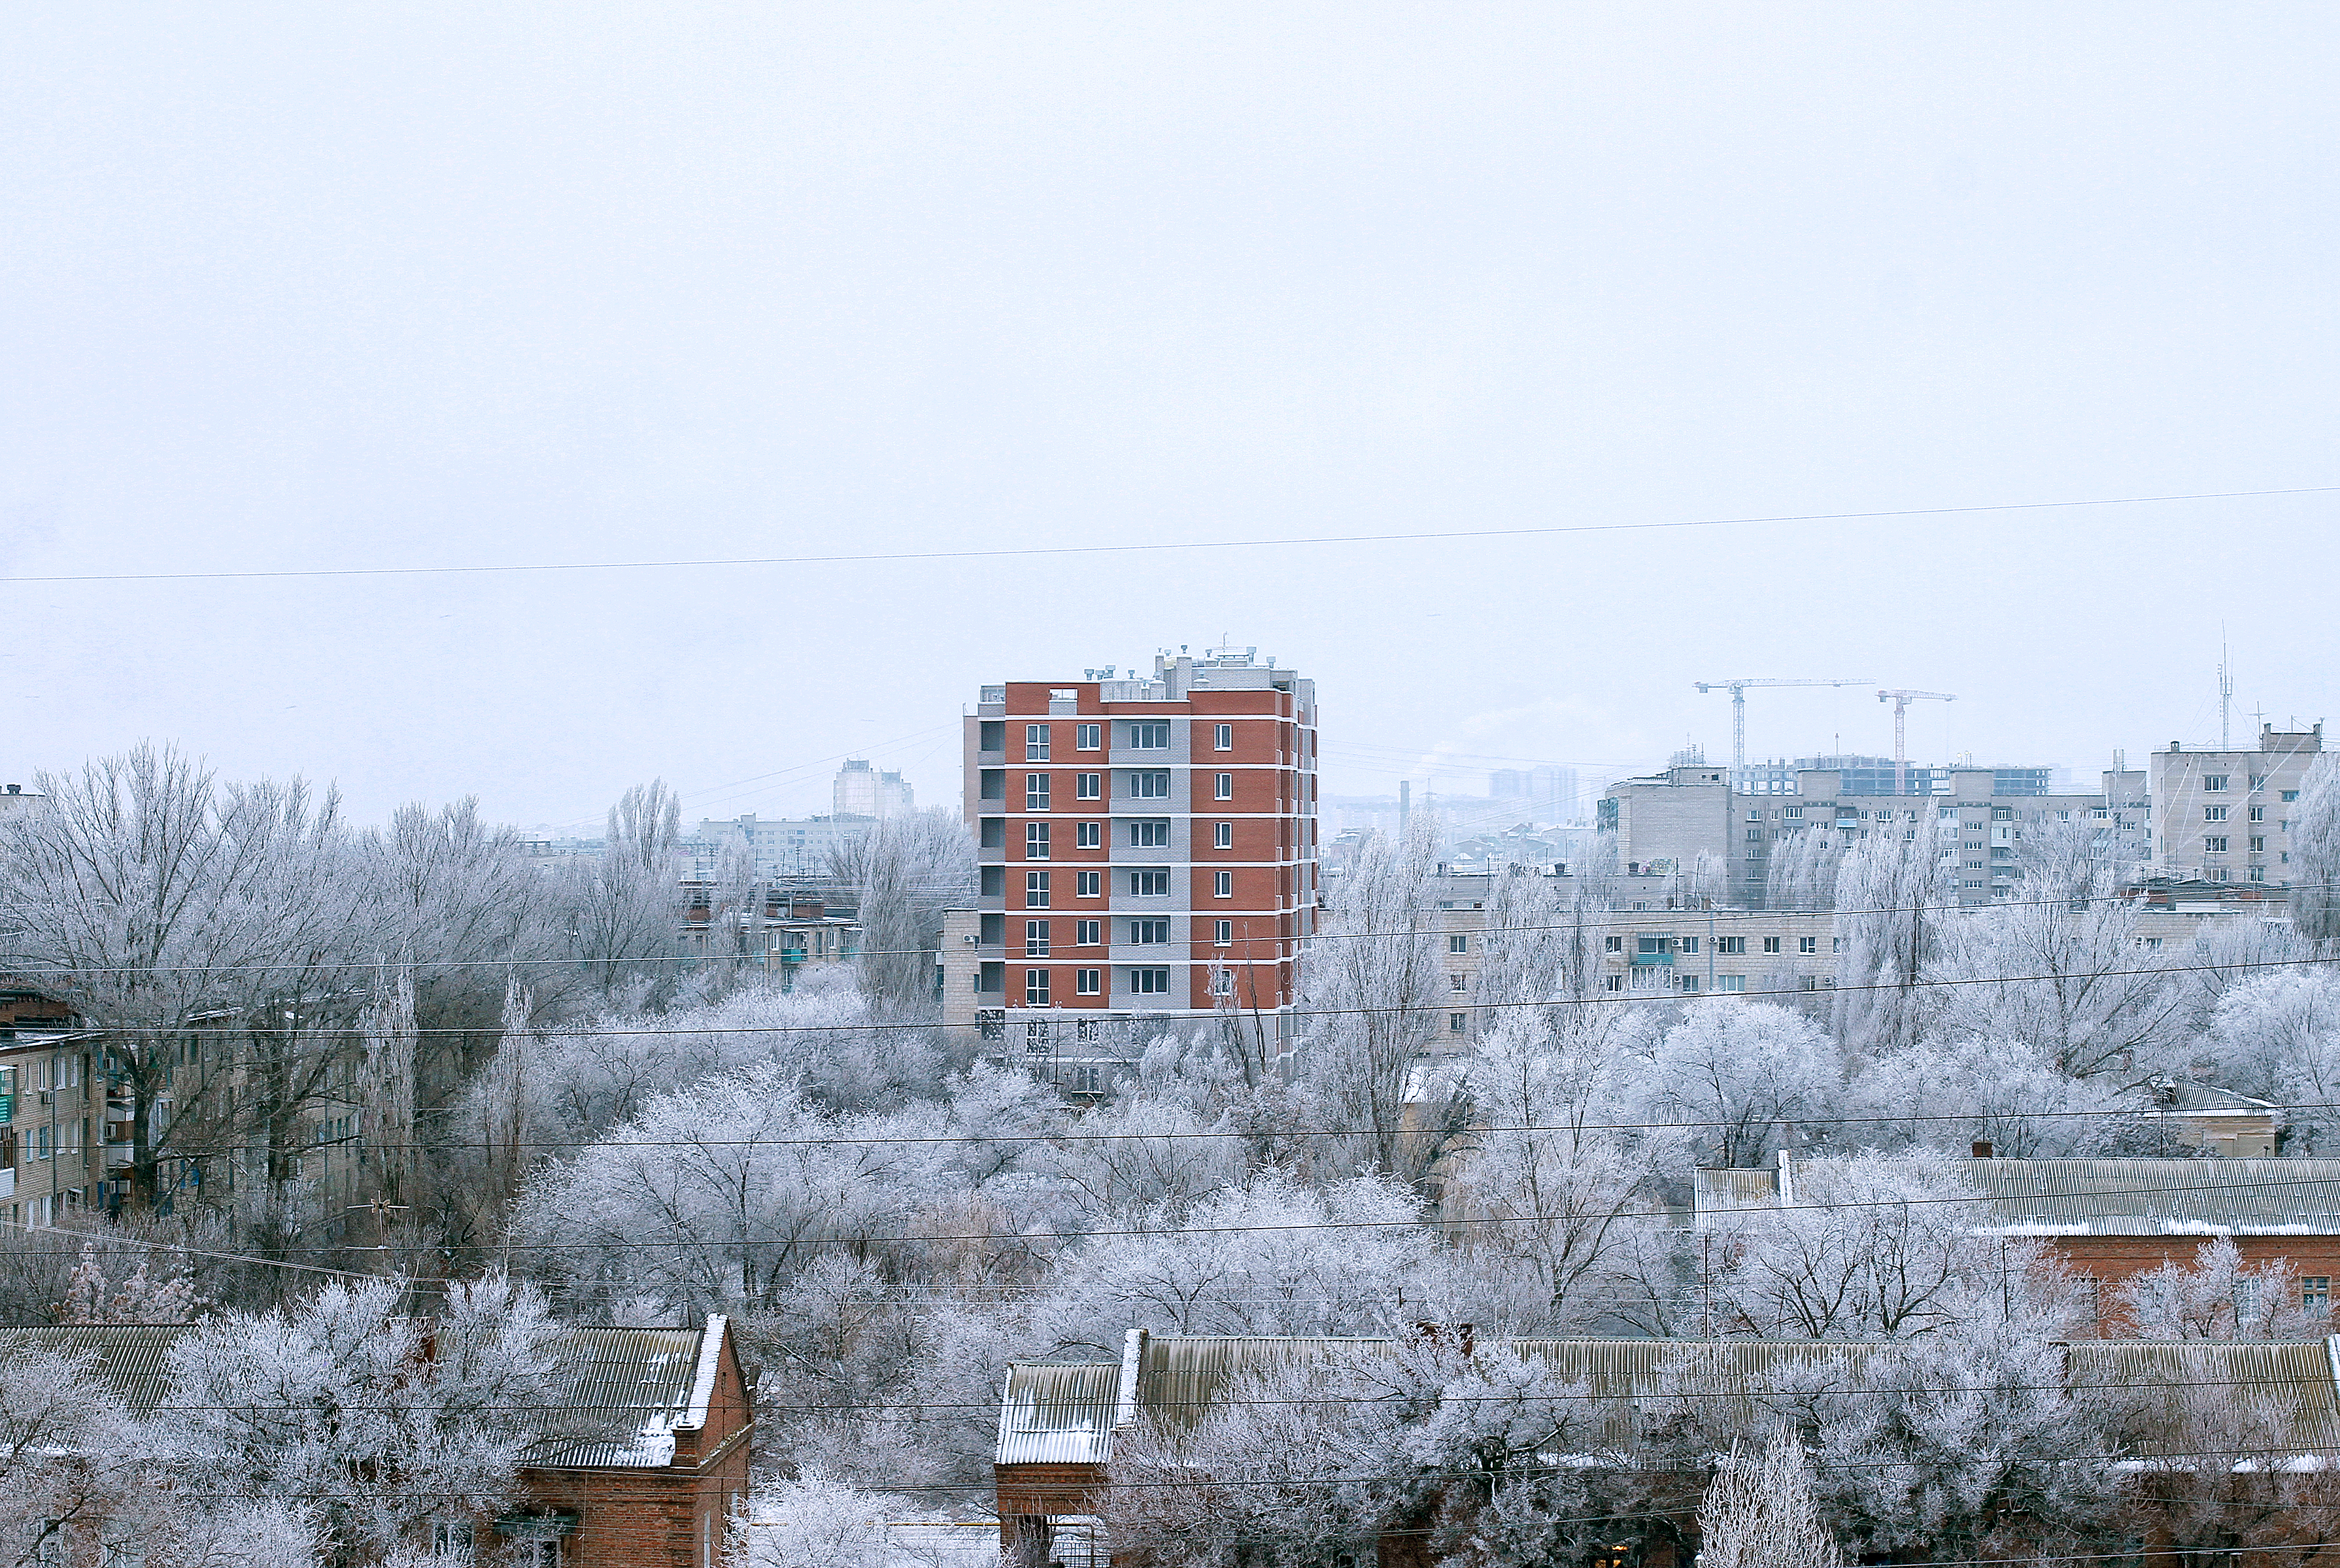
x: 1949, y: 1094
x: 1875, y: 1246
x: 385, y: 1419
x: 2315, y: 855
x: 186, y: 919
x: 1731, y: 1072
x: 464, y: 909
x: 2060, y: 965
x: 2277, y: 1036
x: 2220, y: 1297
x: 1551, y: 1190
x: 1759, y: 1511
x: 905, y: 871
x: 1376, y: 985
x: 1801, y: 873
x: 621, y: 908
x: 1894, y: 894
x: 714, y: 1197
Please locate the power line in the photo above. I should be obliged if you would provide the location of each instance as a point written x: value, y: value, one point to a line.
x: 1093, y: 549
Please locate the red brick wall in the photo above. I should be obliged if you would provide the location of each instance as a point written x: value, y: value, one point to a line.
x: 2108, y: 1260
x: 1033, y: 1491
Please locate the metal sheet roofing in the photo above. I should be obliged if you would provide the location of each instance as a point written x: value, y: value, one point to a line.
x: 1177, y: 1379
x: 1059, y: 1413
x: 634, y: 1385
x: 2160, y: 1197
x: 2297, y: 1376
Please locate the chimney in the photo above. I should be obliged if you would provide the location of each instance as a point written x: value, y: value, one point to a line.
x: 1982, y: 1148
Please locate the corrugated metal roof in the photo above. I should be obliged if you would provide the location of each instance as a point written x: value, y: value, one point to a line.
x: 1178, y: 1378
x: 132, y: 1360
x: 2299, y: 1374
x: 1728, y: 1190
x: 634, y: 1385
x: 2160, y: 1197
x: 1059, y: 1413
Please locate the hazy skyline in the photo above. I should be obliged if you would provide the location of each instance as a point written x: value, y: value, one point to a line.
x: 301, y: 289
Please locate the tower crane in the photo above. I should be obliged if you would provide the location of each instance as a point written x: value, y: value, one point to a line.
x: 1902, y: 700
x: 1738, y: 690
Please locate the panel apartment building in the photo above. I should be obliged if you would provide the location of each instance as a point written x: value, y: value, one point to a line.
x: 1147, y: 849
x: 2226, y: 816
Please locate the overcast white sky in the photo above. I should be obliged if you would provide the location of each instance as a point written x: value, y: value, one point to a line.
x: 302, y: 286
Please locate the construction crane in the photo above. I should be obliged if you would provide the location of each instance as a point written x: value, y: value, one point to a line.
x: 1902, y: 700
x: 1738, y: 690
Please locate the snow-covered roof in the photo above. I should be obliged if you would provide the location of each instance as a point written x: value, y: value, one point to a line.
x: 635, y: 1385
x: 1059, y: 1413
x: 2069, y: 1197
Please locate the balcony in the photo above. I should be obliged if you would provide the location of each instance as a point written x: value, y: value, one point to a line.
x: 1660, y: 960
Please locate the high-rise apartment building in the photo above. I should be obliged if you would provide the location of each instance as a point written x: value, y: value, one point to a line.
x: 1147, y: 847
x: 861, y: 790
x: 2226, y: 816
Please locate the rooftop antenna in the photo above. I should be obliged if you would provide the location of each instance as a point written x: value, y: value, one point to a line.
x: 2225, y: 688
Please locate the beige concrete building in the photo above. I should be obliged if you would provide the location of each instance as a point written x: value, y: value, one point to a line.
x: 2226, y: 816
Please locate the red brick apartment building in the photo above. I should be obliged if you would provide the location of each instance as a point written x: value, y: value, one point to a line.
x: 1147, y: 849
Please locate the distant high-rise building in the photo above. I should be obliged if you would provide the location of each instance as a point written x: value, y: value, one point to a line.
x: 861, y: 790
x: 2226, y: 816
x: 1548, y: 791
x: 1147, y: 847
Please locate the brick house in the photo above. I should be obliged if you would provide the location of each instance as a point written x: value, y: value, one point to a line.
x: 663, y: 1497
x: 1058, y: 1423
x: 2112, y: 1218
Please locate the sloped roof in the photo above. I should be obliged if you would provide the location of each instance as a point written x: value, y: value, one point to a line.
x: 2160, y: 1197
x: 2110, y: 1197
x: 1059, y: 1413
x: 2299, y: 1374
x: 635, y: 1385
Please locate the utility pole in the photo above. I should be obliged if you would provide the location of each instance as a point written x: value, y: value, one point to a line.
x: 2226, y: 690
x: 1738, y: 690
x: 1902, y: 700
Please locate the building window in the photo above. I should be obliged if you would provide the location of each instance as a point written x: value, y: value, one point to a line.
x: 1222, y: 934
x: 1088, y: 933
x: 1222, y: 836
x: 2291, y: 794
x: 1088, y: 884
x: 1035, y: 889
x: 1149, y: 785
x: 1149, y: 737
x: 2215, y: 844
x: 1035, y: 938
x: 1149, y: 835
x: 1729, y: 982
x: 1036, y: 743
x: 1458, y: 1023
x: 1808, y: 944
x: 2259, y: 780
x: 1088, y: 982
x: 1223, y: 738
x: 1035, y: 841
x: 2213, y: 781
x: 1613, y: 982
x: 2315, y: 1292
x: 1730, y: 944
x: 1087, y: 737
x: 1149, y: 933
x: 1689, y: 943
x: 450, y: 1540
x: 2258, y: 813
x: 1458, y: 943
x: 1754, y: 835
x: 1791, y: 812
x: 1458, y: 982
x: 1654, y: 945
x: 1088, y: 787
x: 1036, y: 988
x: 1150, y: 982
x: 1690, y: 982
x: 1771, y: 943
x: 2219, y: 873
x: 1149, y: 884
x: 2213, y: 813
x: 1223, y: 883
x: 1088, y: 835
x: 2259, y: 843
x: 1616, y: 944
x: 2258, y: 873
x: 1223, y: 786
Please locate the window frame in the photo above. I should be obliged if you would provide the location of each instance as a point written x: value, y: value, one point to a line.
x: 1036, y: 743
